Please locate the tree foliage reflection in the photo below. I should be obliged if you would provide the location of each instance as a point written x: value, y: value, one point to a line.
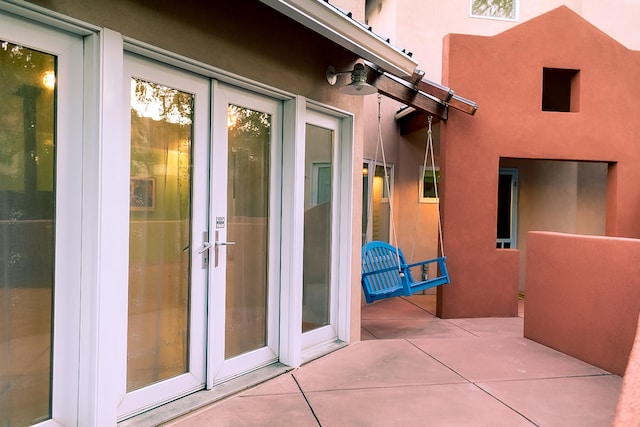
x: 494, y: 8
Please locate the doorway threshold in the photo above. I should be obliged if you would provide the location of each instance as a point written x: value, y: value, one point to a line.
x: 199, y: 399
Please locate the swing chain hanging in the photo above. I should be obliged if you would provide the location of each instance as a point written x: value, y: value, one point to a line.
x: 428, y: 152
x: 380, y: 146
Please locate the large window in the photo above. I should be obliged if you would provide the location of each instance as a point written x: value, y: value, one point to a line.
x: 498, y: 9
x: 40, y: 189
x: 27, y: 185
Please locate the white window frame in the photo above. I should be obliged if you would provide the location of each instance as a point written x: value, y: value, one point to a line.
x: 515, y: 18
x: 423, y: 172
x: 66, y: 294
x: 303, y: 347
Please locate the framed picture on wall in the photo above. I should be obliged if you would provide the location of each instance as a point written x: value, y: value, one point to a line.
x: 142, y: 194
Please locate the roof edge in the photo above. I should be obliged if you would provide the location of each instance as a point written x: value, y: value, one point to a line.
x: 328, y: 21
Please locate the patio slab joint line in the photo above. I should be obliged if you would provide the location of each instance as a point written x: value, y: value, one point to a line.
x: 440, y: 362
x: 507, y: 406
x: 306, y: 400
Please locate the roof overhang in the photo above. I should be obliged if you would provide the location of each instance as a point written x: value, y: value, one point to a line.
x: 393, y: 72
x: 330, y: 22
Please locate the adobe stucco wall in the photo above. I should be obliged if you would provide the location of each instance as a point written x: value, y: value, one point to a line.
x: 503, y: 74
x: 628, y: 409
x: 583, y: 296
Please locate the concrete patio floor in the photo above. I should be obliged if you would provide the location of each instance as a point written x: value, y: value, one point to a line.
x: 414, y: 369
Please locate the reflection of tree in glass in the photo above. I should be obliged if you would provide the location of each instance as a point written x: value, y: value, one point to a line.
x: 161, y: 102
x: 26, y: 123
x: 249, y: 137
x: 494, y: 8
x: 248, y: 124
x: 249, y: 131
x: 161, y: 137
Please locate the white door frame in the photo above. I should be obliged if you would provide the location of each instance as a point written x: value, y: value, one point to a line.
x: 219, y: 369
x: 167, y: 390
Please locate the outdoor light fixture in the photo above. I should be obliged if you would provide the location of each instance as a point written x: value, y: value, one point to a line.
x: 358, y: 85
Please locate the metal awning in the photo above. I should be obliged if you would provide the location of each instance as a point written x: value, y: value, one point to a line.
x: 332, y: 23
x: 392, y: 71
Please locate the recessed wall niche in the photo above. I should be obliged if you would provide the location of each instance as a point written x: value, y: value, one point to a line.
x: 560, y: 90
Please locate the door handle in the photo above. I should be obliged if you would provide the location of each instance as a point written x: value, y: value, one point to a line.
x: 205, y: 247
x: 224, y: 243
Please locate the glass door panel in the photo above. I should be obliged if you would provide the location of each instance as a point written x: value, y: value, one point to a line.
x: 244, y: 201
x: 27, y: 225
x: 248, y: 219
x: 166, y: 319
x: 160, y: 233
x: 316, y: 290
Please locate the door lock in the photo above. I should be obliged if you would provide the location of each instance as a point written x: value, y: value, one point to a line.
x: 204, y: 250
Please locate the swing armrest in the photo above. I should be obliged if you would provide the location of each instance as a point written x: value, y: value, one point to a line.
x: 429, y: 261
x: 383, y: 270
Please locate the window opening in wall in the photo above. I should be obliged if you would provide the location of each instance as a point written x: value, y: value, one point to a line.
x: 499, y: 9
x: 507, y: 209
x: 560, y: 90
x: 427, y: 185
x: 374, y: 188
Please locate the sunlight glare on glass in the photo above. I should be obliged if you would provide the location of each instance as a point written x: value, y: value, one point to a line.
x: 49, y: 80
x: 145, y: 104
x: 232, y: 116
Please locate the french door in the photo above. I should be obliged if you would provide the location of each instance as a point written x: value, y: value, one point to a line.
x: 244, y: 232
x: 168, y: 112
x: 203, y: 274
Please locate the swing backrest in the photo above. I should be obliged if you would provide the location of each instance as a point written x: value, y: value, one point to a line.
x: 383, y: 271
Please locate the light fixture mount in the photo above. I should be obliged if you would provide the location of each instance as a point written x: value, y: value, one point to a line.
x: 358, y: 85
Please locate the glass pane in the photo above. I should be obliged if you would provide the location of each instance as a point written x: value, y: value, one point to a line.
x: 494, y: 8
x: 27, y: 194
x: 248, y: 226
x: 316, y: 291
x: 428, y: 187
x: 380, y: 210
x: 159, y: 233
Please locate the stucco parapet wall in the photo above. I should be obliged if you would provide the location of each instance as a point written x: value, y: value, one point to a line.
x: 582, y: 296
x: 628, y: 410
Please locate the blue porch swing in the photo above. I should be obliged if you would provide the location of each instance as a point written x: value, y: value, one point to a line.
x: 385, y: 271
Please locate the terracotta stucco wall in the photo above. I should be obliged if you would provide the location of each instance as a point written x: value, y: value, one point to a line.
x: 420, y: 25
x: 583, y: 296
x: 503, y: 74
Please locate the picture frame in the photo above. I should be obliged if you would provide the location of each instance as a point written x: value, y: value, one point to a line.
x: 142, y: 194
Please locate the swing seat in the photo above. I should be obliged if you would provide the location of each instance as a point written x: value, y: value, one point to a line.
x: 383, y: 277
